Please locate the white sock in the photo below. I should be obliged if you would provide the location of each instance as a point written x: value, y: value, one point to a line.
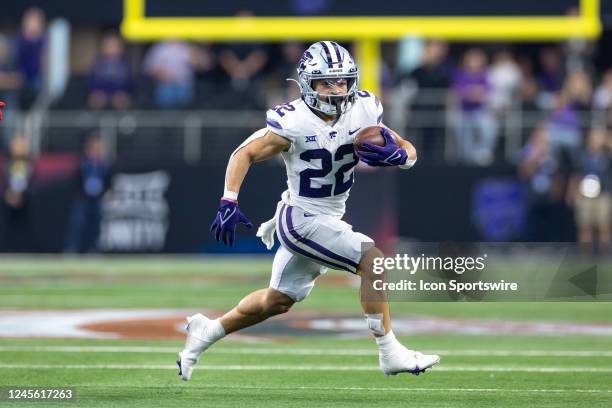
x: 212, y: 332
x: 202, y: 339
x: 387, y: 343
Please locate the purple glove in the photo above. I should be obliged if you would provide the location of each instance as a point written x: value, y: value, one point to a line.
x: 227, y: 218
x: 391, y: 154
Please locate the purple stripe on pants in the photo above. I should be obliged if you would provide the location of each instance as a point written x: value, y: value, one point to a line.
x: 290, y: 245
x: 313, y: 245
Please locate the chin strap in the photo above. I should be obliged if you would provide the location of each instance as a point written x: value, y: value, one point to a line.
x: 336, y: 101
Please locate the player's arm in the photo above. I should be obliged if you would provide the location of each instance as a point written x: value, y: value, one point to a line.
x: 260, y: 149
x: 229, y: 215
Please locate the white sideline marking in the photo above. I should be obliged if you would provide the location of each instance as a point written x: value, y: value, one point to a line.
x: 264, y: 367
x: 253, y: 387
x: 307, y: 351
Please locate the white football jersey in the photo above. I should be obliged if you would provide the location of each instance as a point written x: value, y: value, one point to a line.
x: 321, y: 159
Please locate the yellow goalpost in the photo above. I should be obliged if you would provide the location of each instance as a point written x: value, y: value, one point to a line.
x: 367, y: 32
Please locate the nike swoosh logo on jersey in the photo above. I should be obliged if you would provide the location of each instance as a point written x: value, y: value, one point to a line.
x: 309, y: 214
x: 351, y: 132
x: 225, y: 217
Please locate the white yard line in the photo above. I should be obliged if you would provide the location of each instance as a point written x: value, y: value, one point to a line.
x: 287, y: 367
x: 306, y: 351
x: 399, y: 389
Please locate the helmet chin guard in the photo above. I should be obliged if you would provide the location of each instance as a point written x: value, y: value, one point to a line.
x: 327, y: 60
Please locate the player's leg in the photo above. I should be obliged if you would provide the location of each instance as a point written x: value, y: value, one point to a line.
x: 329, y: 241
x: 254, y: 308
x: 203, y: 332
x: 394, y: 358
x: 373, y: 302
x: 292, y: 280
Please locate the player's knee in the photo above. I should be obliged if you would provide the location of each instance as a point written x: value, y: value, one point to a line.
x: 366, y: 264
x: 276, y: 302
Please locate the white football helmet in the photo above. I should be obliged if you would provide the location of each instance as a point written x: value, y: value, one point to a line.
x: 327, y: 60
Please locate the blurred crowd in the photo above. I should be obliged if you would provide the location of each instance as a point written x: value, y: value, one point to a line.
x: 566, y: 105
x: 566, y: 158
x: 481, y: 89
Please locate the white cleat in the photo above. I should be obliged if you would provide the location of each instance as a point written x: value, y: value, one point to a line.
x: 402, y: 360
x: 194, y: 345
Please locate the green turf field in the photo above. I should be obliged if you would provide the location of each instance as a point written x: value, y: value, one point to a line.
x: 475, y: 371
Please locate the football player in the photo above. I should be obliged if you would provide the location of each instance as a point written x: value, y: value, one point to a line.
x: 314, y: 135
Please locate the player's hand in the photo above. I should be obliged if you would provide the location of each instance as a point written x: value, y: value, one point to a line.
x: 391, y: 154
x: 227, y: 218
x: 2, y: 105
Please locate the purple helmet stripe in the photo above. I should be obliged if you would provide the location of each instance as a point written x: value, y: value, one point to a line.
x: 313, y: 245
x: 295, y: 249
x: 330, y: 45
x: 328, y: 53
x: 335, y: 44
x: 274, y: 123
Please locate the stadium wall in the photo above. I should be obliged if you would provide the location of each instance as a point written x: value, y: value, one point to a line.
x: 169, y: 209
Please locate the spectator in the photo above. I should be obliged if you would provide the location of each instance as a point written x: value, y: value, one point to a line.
x: 591, y: 192
x: 85, y: 214
x: 435, y: 70
x: 564, y: 125
x: 578, y: 50
x: 172, y: 66
x: 10, y: 80
x: 15, y: 197
x: 243, y: 62
x: 551, y: 77
x: 602, y: 101
x: 432, y: 79
x: 477, y: 130
x: 411, y: 52
x: 542, y: 170
x: 110, y: 82
x: 578, y: 89
x: 528, y: 87
x: 30, y: 45
x: 277, y: 89
x: 505, y: 78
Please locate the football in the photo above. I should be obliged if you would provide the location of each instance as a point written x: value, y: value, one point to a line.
x: 372, y: 135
